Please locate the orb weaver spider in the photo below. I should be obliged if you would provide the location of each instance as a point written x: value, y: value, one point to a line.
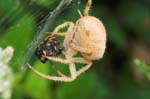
x: 87, y: 36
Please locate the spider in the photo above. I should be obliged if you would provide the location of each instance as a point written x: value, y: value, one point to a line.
x: 87, y: 36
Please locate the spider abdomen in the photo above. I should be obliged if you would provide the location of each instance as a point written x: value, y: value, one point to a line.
x: 90, y: 33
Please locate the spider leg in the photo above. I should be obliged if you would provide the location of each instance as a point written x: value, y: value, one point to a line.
x: 73, y: 72
x: 72, y: 68
x: 64, y: 61
x: 80, y: 49
x: 82, y: 60
x: 59, y: 27
x: 79, y: 12
x: 57, y: 33
x: 59, y: 72
x: 49, y: 77
x: 87, y: 8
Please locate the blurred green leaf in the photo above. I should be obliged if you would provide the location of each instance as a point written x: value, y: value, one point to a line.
x: 113, y: 29
x: 10, y: 12
x: 36, y: 86
x: 19, y: 36
x: 86, y: 86
x: 136, y: 16
x: 145, y: 68
x: 7, y: 5
x: 45, y: 2
x: 115, y: 33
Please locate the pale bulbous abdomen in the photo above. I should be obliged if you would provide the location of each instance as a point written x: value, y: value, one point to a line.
x: 90, y: 33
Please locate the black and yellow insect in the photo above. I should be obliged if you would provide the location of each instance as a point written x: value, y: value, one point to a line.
x: 49, y: 47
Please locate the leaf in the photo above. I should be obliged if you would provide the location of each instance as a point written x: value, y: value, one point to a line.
x: 19, y: 35
x: 145, y: 68
x: 114, y: 31
x: 36, y: 86
x: 85, y: 86
x: 45, y: 2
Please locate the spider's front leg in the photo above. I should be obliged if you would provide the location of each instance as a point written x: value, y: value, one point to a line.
x: 64, y: 61
x: 63, y: 77
x: 57, y: 33
x: 58, y: 28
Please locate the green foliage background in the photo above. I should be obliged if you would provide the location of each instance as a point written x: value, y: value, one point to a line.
x: 115, y: 76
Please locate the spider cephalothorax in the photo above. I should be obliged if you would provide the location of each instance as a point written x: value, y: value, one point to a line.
x: 49, y: 47
x: 87, y: 36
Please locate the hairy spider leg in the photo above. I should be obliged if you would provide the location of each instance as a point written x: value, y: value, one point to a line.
x: 87, y: 8
x: 63, y: 77
x: 58, y: 71
x: 59, y: 27
x: 72, y: 67
x: 58, y: 33
x: 79, y: 12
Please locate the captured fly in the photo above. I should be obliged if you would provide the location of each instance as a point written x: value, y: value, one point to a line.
x: 49, y: 47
